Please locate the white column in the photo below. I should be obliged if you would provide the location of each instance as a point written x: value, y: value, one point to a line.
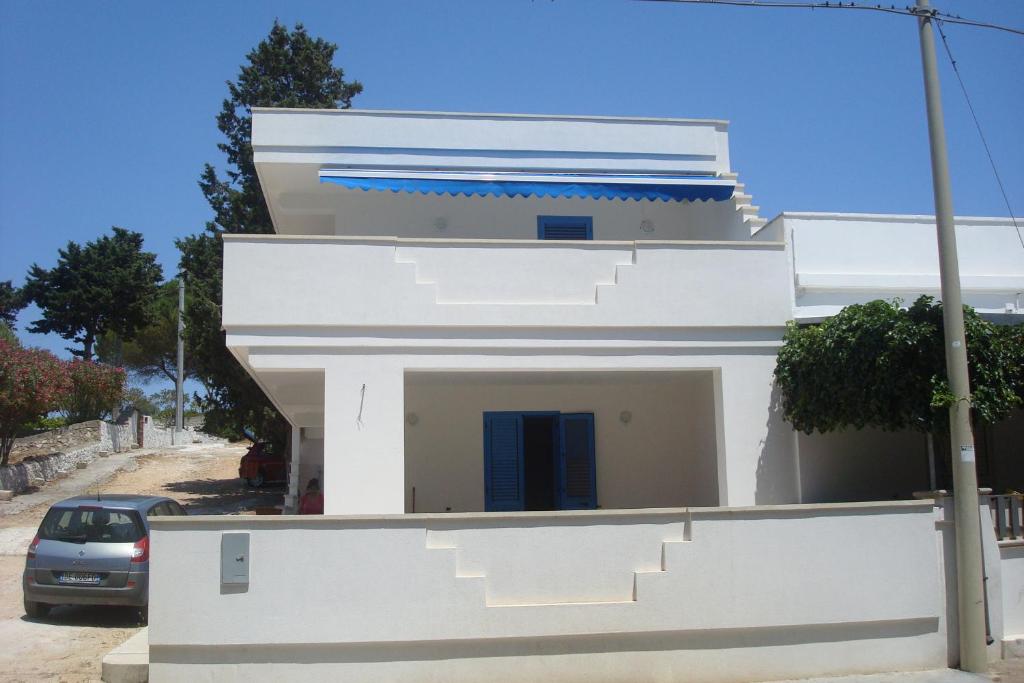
x: 758, y: 461
x: 364, y: 437
x: 291, y: 503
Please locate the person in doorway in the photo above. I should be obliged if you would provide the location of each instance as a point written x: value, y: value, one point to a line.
x: 312, y: 501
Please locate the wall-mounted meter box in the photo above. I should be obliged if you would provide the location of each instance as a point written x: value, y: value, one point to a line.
x: 234, y: 559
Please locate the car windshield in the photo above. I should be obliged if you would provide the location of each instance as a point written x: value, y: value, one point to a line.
x: 91, y: 525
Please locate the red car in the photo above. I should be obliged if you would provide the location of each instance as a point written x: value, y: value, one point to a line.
x: 263, y: 464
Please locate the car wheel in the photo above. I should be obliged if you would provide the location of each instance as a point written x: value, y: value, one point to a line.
x: 259, y: 480
x: 36, y: 610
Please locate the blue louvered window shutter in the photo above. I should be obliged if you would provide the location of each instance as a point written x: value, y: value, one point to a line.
x: 578, y: 467
x: 503, y: 462
x: 565, y: 227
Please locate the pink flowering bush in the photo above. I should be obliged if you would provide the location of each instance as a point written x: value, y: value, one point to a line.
x: 33, y: 382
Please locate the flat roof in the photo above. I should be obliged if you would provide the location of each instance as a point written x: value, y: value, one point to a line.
x: 893, y: 217
x: 494, y: 115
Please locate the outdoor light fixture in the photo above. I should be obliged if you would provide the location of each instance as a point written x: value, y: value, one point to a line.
x: 625, y: 417
x: 412, y: 418
x: 647, y: 225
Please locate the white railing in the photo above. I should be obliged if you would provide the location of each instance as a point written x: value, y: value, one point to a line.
x: 1008, y: 516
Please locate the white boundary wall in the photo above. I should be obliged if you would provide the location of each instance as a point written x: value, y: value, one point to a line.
x: 711, y: 593
x: 1012, y: 590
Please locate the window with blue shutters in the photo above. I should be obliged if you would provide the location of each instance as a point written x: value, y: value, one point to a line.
x: 565, y: 227
x: 566, y: 481
x: 579, y: 477
x: 503, y: 462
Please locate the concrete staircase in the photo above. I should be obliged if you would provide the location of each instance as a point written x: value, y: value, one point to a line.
x: 673, y: 555
x: 744, y: 205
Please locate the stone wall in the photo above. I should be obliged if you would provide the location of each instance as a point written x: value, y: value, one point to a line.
x: 119, y: 435
x: 44, y: 457
x: 154, y: 435
x: 63, y: 439
x: 36, y: 470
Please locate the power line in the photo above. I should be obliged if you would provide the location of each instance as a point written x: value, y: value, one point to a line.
x: 936, y: 15
x: 892, y: 9
x: 981, y: 133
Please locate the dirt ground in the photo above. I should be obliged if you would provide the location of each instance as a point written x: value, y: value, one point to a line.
x: 69, y: 644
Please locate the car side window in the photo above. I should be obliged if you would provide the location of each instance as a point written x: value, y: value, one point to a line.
x: 177, y: 509
x: 158, y: 510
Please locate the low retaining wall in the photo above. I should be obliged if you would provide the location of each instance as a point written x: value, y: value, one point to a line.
x: 63, y: 450
x: 39, y: 469
x: 158, y: 436
x: 74, y: 445
x: 715, y: 594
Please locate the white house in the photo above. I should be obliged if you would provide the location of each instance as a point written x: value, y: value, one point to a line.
x: 588, y: 287
x: 530, y: 359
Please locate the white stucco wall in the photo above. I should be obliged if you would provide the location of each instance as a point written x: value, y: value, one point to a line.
x: 1011, y: 568
x: 866, y: 464
x: 716, y: 595
x: 841, y: 259
x: 664, y: 457
x: 415, y: 215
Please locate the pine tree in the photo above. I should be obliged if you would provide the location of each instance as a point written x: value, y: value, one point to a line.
x: 287, y: 69
x: 108, y: 285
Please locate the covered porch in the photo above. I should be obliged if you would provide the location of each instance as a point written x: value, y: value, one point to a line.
x: 528, y: 440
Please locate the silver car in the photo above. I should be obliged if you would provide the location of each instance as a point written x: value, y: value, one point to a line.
x: 93, y: 551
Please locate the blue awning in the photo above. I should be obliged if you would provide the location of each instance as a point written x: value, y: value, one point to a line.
x: 599, y: 186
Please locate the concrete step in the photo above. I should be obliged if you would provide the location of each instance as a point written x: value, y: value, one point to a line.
x: 129, y: 661
x: 673, y: 554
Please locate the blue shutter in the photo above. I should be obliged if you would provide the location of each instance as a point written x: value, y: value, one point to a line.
x: 503, y: 462
x: 565, y: 227
x: 578, y: 488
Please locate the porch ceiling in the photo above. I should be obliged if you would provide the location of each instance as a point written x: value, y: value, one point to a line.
x: 299, y: 394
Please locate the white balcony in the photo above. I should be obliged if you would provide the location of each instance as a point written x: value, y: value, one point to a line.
x: 338, y: 282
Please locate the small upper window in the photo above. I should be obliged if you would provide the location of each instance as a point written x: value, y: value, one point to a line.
x: 565, y: 227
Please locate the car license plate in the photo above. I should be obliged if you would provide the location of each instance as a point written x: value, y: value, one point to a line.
x: 79, y: 578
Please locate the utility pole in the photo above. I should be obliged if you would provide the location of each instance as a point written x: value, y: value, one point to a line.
x: 179, y: 405
x: 969, y: 573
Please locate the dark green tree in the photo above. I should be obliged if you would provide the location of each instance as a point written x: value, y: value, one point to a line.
x: 879, y: 365
x: 107, y: 285
x: 153, y: 352
x: 12, y: 300
x: 286, y: 69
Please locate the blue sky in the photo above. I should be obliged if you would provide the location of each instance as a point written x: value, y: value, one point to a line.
x: 107, y: 109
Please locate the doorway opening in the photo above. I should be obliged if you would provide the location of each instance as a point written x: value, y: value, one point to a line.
x: 540, y: 434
